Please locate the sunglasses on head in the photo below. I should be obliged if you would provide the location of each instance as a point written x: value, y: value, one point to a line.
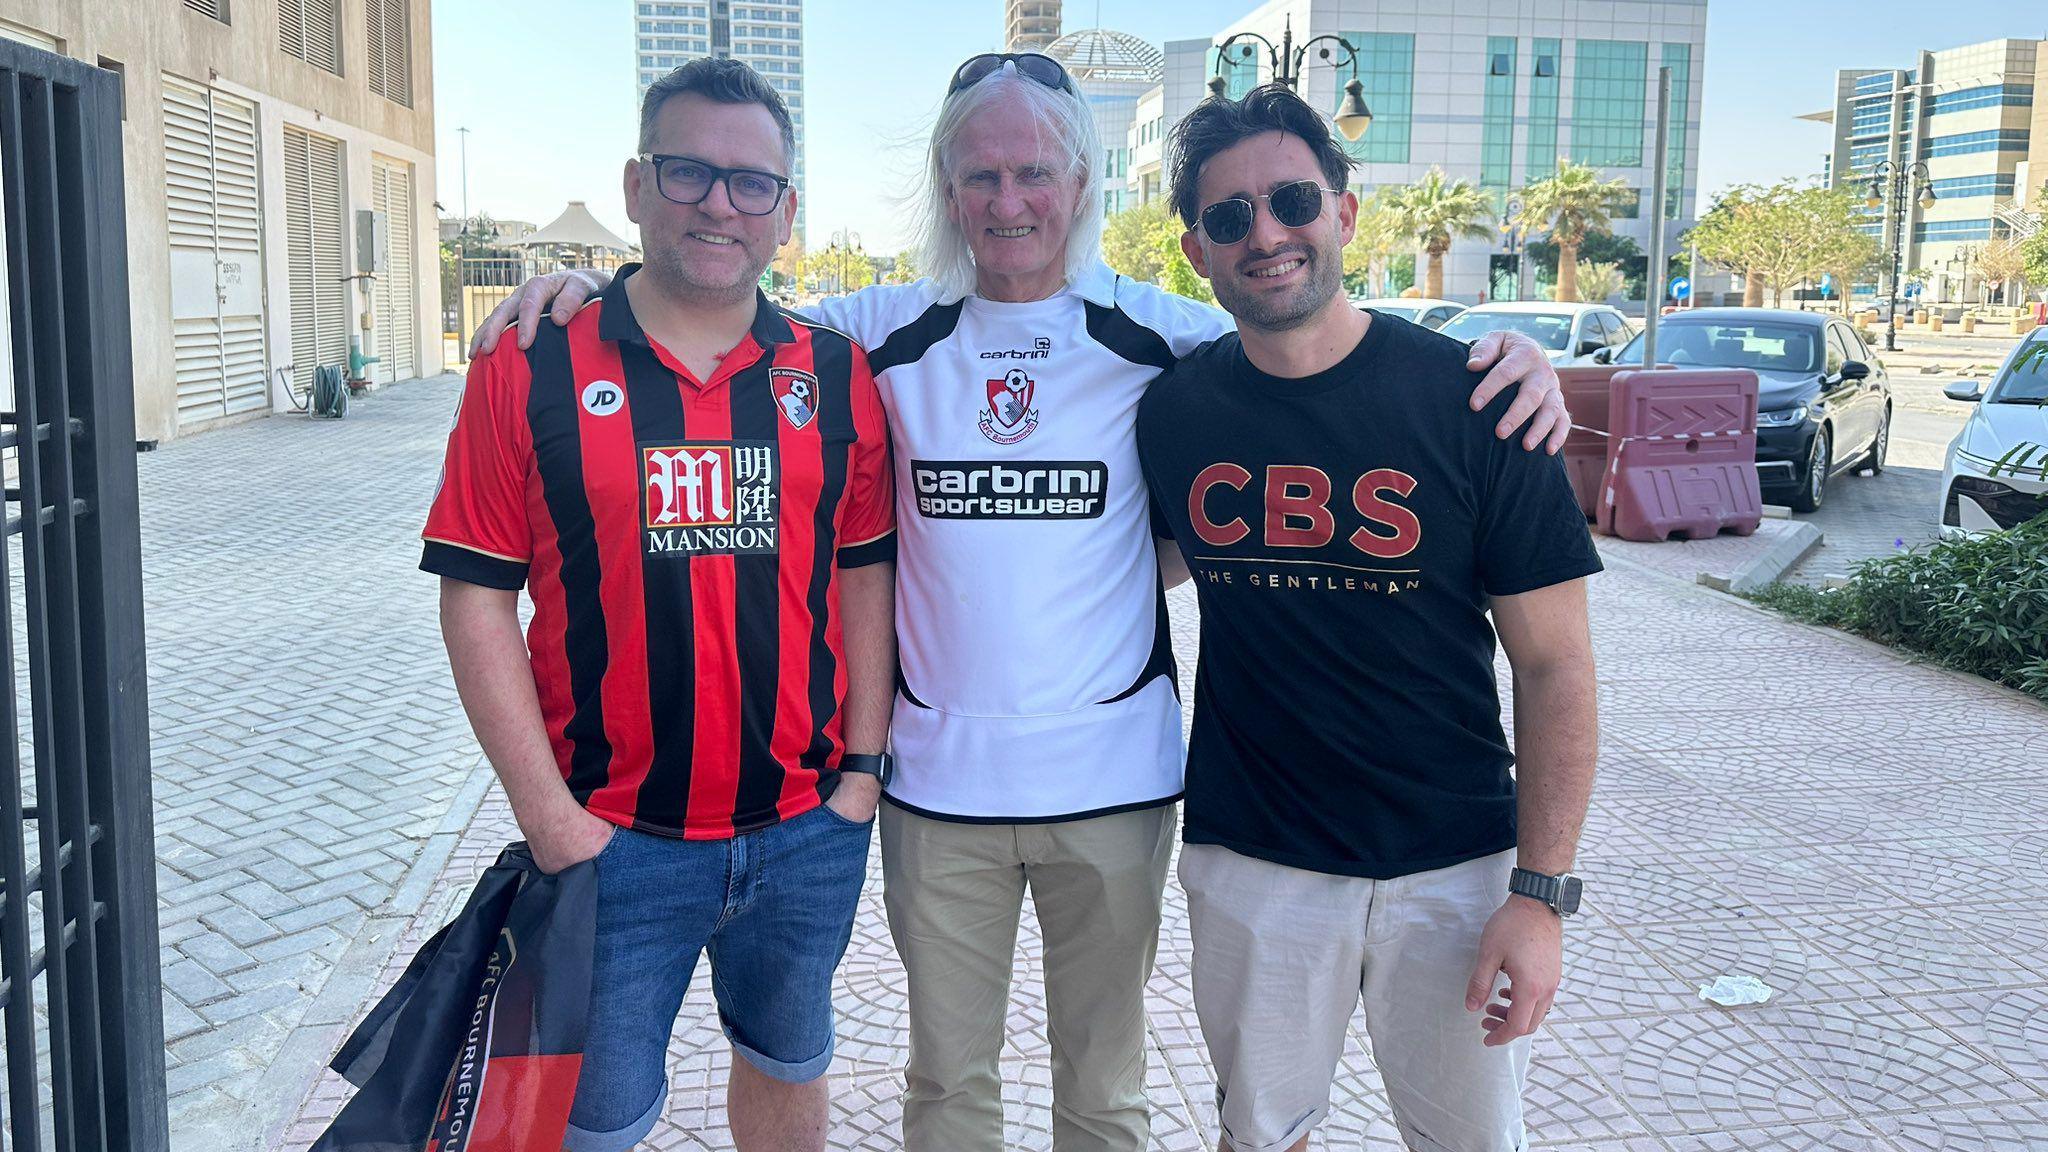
x: 1031, y: 65
x: 1294, y: 205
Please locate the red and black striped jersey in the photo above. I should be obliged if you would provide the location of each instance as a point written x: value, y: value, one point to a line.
x: 680, y: 541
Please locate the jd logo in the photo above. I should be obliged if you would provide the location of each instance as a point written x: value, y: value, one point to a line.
x: 602, y: 398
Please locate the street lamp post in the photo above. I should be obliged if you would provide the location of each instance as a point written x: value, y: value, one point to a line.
x: 1352, y: 118
x: 847, y: 241
x: 1517, y: 239
x: 1888, y: 185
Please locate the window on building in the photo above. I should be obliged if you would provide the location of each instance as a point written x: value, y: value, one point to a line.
x: 1240, y: 71
x: 1497, y: 131
x: 310, y: 30
x: 1607, y: 102
x: 1678, y: 58
x: 218, y: 9
x: 1543, y: 94
x: 1386, y: 66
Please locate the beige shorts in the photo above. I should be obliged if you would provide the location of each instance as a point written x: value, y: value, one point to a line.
x: 1281, y: 959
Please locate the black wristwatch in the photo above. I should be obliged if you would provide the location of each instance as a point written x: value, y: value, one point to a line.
x: 1558, y: 893
x: 879, y: 765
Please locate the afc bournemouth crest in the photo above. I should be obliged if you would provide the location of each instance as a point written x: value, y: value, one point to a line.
x: 1009, y: 416
x: 796, y: 394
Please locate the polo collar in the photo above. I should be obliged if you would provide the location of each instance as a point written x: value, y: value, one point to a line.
x: 617, y: 322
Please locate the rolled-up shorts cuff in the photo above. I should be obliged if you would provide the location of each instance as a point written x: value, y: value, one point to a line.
x: 801, y: 1072
x: 619, y: 1139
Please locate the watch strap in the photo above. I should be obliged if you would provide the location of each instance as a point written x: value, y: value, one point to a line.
x: 876, y: 764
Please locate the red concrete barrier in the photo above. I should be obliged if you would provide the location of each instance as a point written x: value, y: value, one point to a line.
x: 1585, y: 390
x: 1681, y: 455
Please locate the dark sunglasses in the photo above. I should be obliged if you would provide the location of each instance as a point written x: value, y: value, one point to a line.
x: 688, y: 180
x: 1031, y: 65
x: 1294, y: 205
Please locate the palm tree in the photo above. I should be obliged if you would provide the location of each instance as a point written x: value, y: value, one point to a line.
x: 1600, y: 280
x: 1568, y: 205
x: 1435, y: 211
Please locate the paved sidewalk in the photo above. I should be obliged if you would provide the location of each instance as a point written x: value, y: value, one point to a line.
x: 307, y: 741
x: 1863, y: 834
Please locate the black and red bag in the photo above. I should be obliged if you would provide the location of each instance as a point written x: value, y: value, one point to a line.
x: 478, y: 1046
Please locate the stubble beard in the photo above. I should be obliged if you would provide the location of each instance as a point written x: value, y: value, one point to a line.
x: 1287, y: 312
x: 678, y: 279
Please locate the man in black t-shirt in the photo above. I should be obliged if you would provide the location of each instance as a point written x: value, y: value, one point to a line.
x: 1351, y: 819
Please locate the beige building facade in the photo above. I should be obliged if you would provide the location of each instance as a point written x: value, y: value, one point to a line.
x: 278, y: 161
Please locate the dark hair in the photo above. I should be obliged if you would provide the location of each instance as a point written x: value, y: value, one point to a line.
x: 725, y: 80
x: 1217, y: 124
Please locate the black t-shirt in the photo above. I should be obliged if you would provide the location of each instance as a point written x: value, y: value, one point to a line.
x: 1344, y: 530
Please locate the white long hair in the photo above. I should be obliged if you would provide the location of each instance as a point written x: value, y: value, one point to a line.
x: 1063, y: 120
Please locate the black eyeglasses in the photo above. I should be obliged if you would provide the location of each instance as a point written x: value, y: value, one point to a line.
x: 688, y: 180
x: 1294, y: 205
x: 1031, y: 65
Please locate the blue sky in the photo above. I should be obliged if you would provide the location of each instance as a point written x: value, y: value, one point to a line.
x: 546, y: 89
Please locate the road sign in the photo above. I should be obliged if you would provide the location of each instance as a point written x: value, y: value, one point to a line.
x: 1827, y: 283
x: 1681, y: 287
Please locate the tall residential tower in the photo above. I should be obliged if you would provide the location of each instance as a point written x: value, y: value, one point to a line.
x: 767, y: 35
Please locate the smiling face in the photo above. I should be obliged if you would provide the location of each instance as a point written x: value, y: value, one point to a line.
x: 1014, y: 193
x: 709, y: 251
x: 1277, y: 277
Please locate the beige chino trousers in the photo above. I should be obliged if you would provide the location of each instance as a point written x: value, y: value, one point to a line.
x: 954, y: 893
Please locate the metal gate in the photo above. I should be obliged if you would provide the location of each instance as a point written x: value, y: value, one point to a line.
x: 81, y: 1024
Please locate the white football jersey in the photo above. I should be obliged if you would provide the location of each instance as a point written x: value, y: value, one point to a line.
x: 1037, y: 674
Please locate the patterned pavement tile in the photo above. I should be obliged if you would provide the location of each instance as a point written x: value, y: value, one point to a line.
x: 1645, y: 889
x: 1836, y: 1136
x: 2009, y: 1025
x: 1872, y: 951
x: 1741, y: 771
x: 1876, y: 1055
x: 1697, y: 1072
x: 1883, y: 728
x: 1696, y: 952
x: 1648, y: 824
x: 2013, y: 1128
x: 1995, y: 809
x: 1607, y: 973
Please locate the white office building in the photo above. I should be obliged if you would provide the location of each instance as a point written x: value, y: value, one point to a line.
x: 1490, y: 91
x: 1971, y: 115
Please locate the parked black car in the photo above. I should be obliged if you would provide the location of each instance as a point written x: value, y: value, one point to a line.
x: 1824, y: 403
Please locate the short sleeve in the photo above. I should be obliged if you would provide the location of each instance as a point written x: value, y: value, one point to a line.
x: 1531, y: 532
x: 867, y: 525
x: 477, y: 529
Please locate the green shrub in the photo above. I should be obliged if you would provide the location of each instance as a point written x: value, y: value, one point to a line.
x: 1979, y: 605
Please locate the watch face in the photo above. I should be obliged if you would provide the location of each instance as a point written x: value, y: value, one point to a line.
x: 1568, y: 895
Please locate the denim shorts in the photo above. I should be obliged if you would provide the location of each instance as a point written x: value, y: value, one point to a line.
x: 774, y: 909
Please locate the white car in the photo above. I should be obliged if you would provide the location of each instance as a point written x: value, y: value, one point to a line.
x: 1997, y: 471
x: 1414, y: 309
x: 1569, y: 333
